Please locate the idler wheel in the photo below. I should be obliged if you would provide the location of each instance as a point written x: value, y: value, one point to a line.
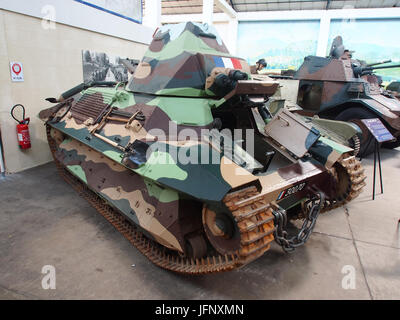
x: 221, y: 230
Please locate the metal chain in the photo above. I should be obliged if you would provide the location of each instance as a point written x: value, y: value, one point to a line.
x: 289, y: 244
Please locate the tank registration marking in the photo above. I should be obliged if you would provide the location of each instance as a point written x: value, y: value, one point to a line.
x: 292, y: 190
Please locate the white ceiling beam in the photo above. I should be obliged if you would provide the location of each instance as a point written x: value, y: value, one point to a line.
x: 225, y: 7
x: 317, y: 14
x: 291, y: 15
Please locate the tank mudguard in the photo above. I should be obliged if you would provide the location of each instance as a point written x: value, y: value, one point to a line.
x: 327, y: 151
x: 377, y: 105
x: 385, y: 108
x: 345, y: 130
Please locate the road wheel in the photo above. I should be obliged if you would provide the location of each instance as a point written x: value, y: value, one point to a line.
x: 221, y: 230
x: 355, y: 115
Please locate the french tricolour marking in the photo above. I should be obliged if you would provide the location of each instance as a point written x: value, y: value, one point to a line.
x: 225, y: 62
x: 291, y: 190
x: 281, y: 195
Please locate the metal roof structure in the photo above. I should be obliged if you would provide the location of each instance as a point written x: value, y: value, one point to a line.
x: 195, y: 6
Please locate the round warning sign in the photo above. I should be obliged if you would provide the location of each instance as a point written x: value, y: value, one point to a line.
x: 16, y: 68
x: 16, y: 71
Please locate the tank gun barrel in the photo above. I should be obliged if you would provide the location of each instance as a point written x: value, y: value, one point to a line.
x: 377, y: 63
x: 130, y: 64
x: 360, y: 71
x: 387, y: 67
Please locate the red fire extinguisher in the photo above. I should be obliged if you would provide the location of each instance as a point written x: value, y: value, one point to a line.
x: 24, y: 140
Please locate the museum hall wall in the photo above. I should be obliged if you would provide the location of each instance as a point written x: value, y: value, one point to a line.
x: 52, y: 63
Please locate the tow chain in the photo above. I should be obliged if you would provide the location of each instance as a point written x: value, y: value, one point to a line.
x: 290, y: 243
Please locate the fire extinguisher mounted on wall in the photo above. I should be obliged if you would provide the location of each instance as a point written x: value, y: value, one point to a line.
x: 24, y: 140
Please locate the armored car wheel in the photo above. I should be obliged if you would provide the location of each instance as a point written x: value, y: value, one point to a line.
x: 355, y: 115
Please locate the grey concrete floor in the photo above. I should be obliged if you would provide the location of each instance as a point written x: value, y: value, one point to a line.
x: 44, y: 222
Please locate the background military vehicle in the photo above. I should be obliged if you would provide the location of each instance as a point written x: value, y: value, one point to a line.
x: 158, y: 156
x: 341, y: 88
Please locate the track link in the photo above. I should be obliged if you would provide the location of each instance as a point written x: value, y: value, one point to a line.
x: 357, y: 145
x: 252, y: 214
x: 255, y: 220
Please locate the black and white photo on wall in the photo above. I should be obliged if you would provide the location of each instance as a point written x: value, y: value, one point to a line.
x: 99, y: 66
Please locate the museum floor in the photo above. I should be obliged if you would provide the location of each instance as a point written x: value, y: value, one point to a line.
x: 44, y: 222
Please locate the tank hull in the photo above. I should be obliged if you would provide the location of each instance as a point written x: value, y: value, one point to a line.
x: 136, y: 218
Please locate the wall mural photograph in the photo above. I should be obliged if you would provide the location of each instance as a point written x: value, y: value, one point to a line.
x: 99, y: 66
x: 283, y: 44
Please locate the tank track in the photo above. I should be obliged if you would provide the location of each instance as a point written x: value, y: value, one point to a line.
x: 357, y: 145
x: 355, y: 182
x: 253, y: 216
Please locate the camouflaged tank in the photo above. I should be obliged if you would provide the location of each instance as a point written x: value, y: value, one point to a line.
x: 157, y: 158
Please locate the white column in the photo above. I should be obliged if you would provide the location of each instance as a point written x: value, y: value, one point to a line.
x: 152, y: 14
x: 208, y: 10
x: 233, y: 28
x: 323, y: 35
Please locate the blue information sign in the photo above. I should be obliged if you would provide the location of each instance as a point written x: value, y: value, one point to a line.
x: 378, y: 130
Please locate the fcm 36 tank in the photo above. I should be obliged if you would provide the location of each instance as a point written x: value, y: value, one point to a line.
x: 156, y: 156
x: 339, y: 87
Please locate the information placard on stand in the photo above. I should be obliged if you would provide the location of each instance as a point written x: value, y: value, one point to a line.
x: 380, y: 134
